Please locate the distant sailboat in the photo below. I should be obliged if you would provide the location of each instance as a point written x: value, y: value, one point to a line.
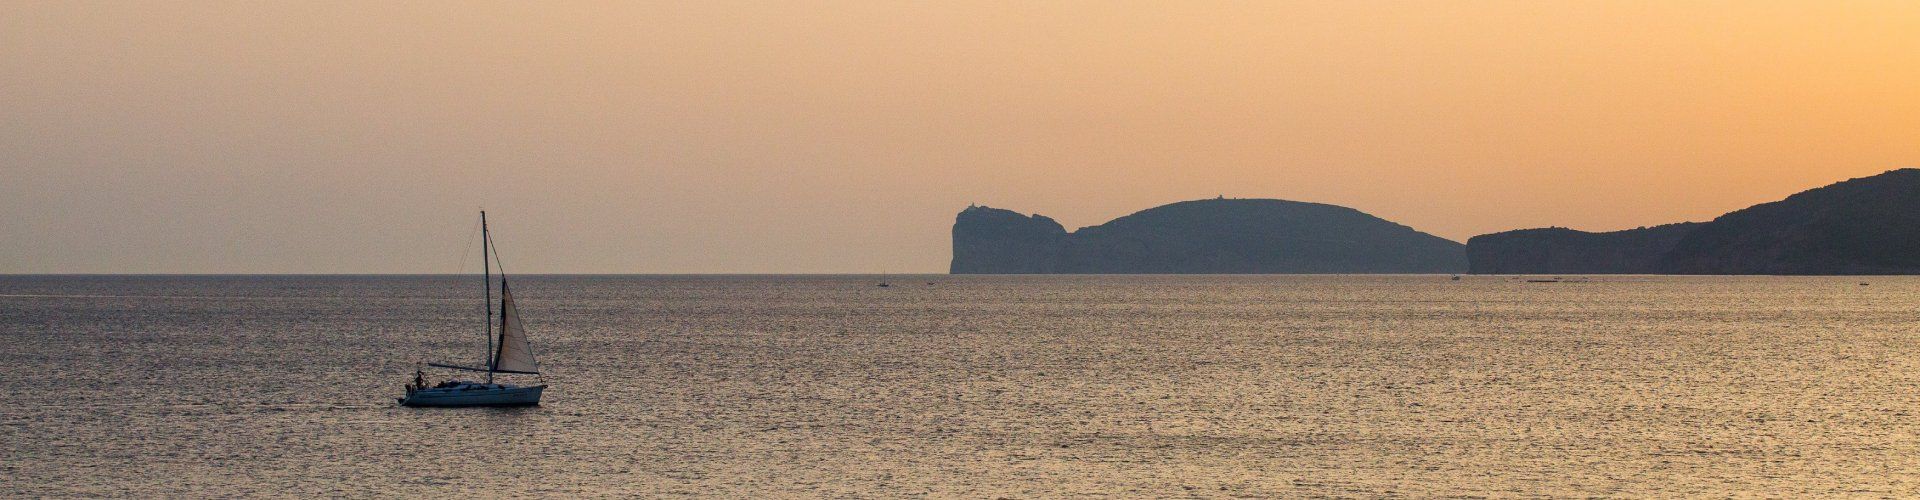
x: 883, y: 281
x: 511, y: 352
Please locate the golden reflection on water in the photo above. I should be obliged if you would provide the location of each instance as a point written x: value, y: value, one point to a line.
x: 1218, y: 386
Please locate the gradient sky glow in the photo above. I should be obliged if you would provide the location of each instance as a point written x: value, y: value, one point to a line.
x: 327, y: 137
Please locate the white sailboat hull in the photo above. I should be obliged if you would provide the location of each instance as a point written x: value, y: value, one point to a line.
x: 475, y: 395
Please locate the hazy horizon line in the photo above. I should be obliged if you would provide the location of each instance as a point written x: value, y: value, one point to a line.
x: 45, y: 275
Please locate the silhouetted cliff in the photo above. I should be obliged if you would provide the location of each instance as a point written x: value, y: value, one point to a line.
x: 1205, y: 236
x: 995, y: 241
x: 1869, y: 225
x: 1566, y: 251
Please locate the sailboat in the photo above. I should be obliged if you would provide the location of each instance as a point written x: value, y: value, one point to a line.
x: 510, y: 353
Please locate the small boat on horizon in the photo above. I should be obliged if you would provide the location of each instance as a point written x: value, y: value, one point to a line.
x: 509, y: 353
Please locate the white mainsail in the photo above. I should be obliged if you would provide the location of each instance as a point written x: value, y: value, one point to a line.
x: 515, y: 354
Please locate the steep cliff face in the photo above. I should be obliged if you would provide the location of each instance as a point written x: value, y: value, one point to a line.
x: 1566, y: 251
x: 1869, y: 225
x: 1205, y: 236
x: 991, y: 240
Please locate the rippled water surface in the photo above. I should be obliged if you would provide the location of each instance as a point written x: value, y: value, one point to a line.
x: 1220, y: 386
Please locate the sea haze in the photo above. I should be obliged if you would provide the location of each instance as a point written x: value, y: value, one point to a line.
x: 971, y: 386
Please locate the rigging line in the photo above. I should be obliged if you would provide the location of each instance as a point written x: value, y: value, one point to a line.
x: 496, y: 259
x: 466, y: 249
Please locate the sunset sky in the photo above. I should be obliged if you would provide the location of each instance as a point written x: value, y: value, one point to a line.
x: 680, y: 137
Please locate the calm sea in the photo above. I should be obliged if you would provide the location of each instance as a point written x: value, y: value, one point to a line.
x: 964, y: 386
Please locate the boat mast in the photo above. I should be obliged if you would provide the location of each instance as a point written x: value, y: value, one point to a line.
x: 486, y: 281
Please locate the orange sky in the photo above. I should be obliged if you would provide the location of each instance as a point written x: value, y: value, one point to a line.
x: 843, y: 136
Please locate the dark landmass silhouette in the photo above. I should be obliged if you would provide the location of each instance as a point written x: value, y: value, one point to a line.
x: 1218, y: 236
x: 1869, y: 225
x: 1559, y: 250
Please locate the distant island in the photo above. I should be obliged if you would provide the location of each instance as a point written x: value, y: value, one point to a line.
x: 1223, y: 236
x: 1869, y: 225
